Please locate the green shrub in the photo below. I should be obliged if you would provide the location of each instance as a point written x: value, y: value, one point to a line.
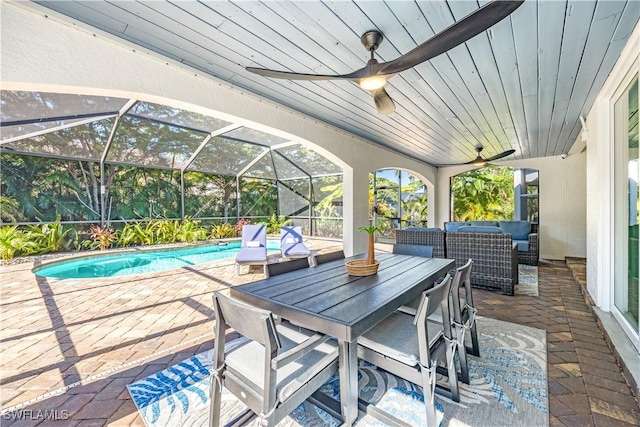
x: 222, y: 231
x: 12, y: 242
x: 136, y: 233
x: 47, y: 238
x: 275, y: 224
x: 191, y: 231
x: 164, y: 231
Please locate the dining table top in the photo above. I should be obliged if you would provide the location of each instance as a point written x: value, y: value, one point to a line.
x: 327, y: 299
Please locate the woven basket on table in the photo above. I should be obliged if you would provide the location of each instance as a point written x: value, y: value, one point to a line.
x: 359, y: 267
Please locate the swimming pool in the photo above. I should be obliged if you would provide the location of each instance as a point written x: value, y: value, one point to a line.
x: 128, y: 263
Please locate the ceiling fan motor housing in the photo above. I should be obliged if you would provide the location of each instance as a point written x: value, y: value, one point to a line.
x: 371, y: 40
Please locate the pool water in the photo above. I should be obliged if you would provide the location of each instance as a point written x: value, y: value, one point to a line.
x: 125, y: 264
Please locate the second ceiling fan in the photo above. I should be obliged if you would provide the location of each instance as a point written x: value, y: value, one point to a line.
x: 374, y: 75
x: 480, y: 161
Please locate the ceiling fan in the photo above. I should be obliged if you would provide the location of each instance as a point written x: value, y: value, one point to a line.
x: 374, y: 75
x: 479, y: 161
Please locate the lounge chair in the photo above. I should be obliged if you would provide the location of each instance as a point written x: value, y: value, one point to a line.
x: 253, y: 250
x: 291, y: 244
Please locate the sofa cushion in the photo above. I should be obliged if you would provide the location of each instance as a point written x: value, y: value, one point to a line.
x: 415, y: 250
x: 480, y: 229
x: 454, y: 225
x: 519, y: 230
x: 523, y: 245
x: 484, y: 223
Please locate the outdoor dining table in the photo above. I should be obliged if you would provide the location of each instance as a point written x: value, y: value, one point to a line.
x: 327, y: 299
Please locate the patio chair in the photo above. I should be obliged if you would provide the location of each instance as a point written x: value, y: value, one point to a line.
x: 328, y: 257
x: 464, y: 311
x: 277, y: 369
x: 287, y: 266
x: 462, y: 319
x: 253, y: 249
x: 411, y: 347
x: 416, y: 250
x: 291, y: 245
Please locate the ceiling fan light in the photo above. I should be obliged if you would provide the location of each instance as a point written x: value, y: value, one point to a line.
x: 372, y: 82
x: 479, y: 162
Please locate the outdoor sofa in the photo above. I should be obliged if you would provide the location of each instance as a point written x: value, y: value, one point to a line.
x: 494, y: 252
x: 524, y: 233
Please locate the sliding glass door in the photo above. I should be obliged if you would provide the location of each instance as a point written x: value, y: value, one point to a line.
x: 627, y: 170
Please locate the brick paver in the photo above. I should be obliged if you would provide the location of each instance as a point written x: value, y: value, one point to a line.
x: 73, y: 345
x: 586, y: 385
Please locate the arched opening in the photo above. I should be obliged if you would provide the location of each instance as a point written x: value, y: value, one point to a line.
x: 397, y: 199
x: 495, y: 193
x: 95, y: 159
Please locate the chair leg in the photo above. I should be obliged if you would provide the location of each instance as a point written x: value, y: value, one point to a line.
x: 462, y: 355
x: 452, y: 373
x: 475, y: 346
x: 214, y: 408
x: 429, y: 378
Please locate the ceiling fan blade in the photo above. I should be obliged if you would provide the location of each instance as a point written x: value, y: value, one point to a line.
x: 478, y: 161
x: 355, y: 75
x: 468, y: 27
x: 383, y: 101
x: 501, y: 155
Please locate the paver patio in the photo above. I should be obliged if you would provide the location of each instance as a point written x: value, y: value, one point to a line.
x: 72, y: 346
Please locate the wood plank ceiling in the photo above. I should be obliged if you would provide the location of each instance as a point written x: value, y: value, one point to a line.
x: 523, y: 84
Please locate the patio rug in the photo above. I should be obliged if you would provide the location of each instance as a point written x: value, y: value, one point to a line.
x: 508, y: 388
x: 527, y: 280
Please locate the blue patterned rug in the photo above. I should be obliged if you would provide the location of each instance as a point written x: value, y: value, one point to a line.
x: 508, y: 388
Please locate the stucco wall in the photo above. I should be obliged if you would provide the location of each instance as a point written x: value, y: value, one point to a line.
x: 562, y: 202
x: 53, y: 54
x: 601, y: 168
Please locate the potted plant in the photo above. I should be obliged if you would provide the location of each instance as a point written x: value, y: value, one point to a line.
x: 371, y: 231
x: 368, y: 266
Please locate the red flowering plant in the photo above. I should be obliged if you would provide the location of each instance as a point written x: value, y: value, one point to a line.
x: 102, y: 236
x: 239, y: 224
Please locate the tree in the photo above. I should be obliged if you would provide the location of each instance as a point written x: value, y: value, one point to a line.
x: 483, y: 194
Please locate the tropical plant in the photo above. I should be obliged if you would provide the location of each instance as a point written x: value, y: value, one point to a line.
x: 238, y: 225
x: 222, y: 231
x: 275, y: 223
x: 258, y: 197
x: 47, y: 238
x: 136, y: 233
x: 191, y: 231
x: 45, y: 188
x: 102, y: 237
x: 328, y: 222
x: 483, y: 194
x: 10, y: 210
x: 370, y: 230
x: 11, y: 242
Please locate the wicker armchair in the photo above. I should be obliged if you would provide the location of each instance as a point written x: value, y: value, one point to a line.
x: 423, y: 236
x: 495, y: 258
x: 525, y: 234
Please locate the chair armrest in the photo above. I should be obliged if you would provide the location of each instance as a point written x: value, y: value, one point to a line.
x: 533, y: 241
x: 300, y: 350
